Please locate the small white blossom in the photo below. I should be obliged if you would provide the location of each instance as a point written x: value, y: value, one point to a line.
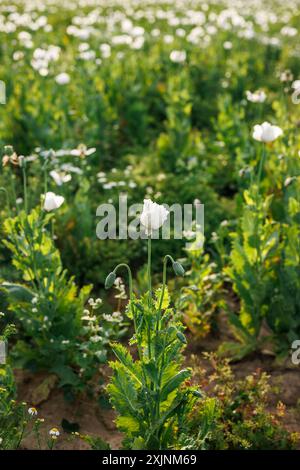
x: 32, y: 411
x: 54, y: 433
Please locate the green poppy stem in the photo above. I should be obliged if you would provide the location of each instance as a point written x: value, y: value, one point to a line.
x: 261, y: 165
x: 149, y: 294
x: 7, y: 199
x: 45, y: 177
x: 165, y: 262
x: 149, y: 273
x: 25, y: 187
x: 130, y: 300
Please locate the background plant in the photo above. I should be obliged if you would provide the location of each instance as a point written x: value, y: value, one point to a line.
x: 57, y: 332
x: 234, y: 414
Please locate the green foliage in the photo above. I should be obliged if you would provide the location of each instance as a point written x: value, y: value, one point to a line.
x: 202, y: 298
x: 264, y: 268
x: 56, y: 333
x: 151, y: 393
x: 133, y: 119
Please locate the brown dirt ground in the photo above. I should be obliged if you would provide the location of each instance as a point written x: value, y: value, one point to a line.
x: 92, y: 419
x: 97, y: 421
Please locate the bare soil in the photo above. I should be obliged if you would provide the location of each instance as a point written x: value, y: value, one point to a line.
x: 98, y: 421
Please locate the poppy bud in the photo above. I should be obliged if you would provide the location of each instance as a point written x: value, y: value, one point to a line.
x: 178, y: 269
x: 110, y: 280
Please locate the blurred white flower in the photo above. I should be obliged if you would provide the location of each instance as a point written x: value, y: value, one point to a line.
x: 266, y: 132
x: 60, y: 178
x: 138, y: 43
x: 189, y: 234
x: 18, y: 55
x: 258, y: 96
x: 180, y: 32
x: 289, y: 31
x: 62, y: 78
x: 289, y: 180
x: 227, y: 45
x: 82, y: 151
x: 52, y: 201
x: 155, y: 32
x: 286, y: 76
x: 296, y: 85
x: 71, y: 168
x: 168, y: 38
x: 87, y: 55
x: 105, y: 50
x: 178, y: 56
x: 153, y: 216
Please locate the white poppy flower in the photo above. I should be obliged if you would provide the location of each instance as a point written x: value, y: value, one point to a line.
x: 266, y: 132
x: 153, y: 216
x: 62, y: 78
x: 52, y: 201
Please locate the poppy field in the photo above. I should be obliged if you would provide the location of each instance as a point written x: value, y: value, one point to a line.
x: 150, y: 225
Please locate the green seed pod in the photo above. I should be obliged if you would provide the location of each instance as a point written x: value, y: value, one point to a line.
x: 178, y: 269
x: 181, y: 337
x: 109, y: 281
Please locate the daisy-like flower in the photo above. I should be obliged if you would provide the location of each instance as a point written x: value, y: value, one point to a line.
x: 82, y: 151
x: 266, y: 132
x: 32, y: 411
x: 54, y: 433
